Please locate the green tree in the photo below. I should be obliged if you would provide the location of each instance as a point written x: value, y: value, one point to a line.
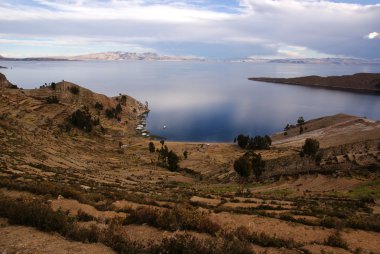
x: 185, y: 154
x: 301, y: 120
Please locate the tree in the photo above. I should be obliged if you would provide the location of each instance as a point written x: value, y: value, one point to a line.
x: 301, y: 120
x: 248, y: 164
x: 118, y: 109
x: 258, y: 165
x: 242, y: 167
x: 185, y: 154
x: 123, y: 99
x: 173, y: 160
x: 110, y: 113
x: 82, y: 120
x: 152, y: 148
x: 311, y: 147
x: 53, y: 85
x: 242, y: 141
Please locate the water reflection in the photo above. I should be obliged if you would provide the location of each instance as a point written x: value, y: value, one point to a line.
x: 208, y: 101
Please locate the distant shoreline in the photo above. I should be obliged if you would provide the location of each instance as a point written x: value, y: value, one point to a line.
x: 364, y: 83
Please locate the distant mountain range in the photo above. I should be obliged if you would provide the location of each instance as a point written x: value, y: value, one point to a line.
x: 150, y: 56
x: 310, y: 61
x: 110, y: 56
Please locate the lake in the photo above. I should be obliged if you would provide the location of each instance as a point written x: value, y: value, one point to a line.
x: 207, y: 101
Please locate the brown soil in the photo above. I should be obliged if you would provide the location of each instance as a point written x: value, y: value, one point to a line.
x: 23, y: 240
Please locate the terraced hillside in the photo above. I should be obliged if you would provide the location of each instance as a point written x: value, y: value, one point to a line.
x: 67, y: 189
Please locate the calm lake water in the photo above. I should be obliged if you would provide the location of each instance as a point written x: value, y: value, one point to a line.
x: 207, y: 101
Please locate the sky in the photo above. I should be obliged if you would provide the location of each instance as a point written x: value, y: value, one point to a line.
x: 217, y: 29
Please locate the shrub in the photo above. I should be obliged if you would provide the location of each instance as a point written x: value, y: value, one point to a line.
x: 32, y: 213
x: 178, y: 218
x: 118, y: 109
x: 53, y: 86
x: 248, y: 164
x: 189, y: 244
x: 74, y: 89
x: 310, y: 147
x: 336, y: 240
x: 98, y: 106
x: 82, y: 120
x: 52, y: 100
x: 152, y: 148
x: 110, y: 113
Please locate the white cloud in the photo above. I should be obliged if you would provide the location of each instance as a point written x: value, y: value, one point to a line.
x: 322, y: 27
x: 373, y: 35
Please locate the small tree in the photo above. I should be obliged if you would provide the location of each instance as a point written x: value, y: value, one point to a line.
x: 301, y: 120
x: 118, y: 109
x: 242, y: 167
x: 311, y: 147
x: 173, y: 160
x: 123, y: 99
x: 258, y: 165
x: 185, y: 154
x: 243, y: 140
x: 152, y: 148
x: 53, y: 85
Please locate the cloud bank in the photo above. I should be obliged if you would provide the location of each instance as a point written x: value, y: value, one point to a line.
x: 209, y: 28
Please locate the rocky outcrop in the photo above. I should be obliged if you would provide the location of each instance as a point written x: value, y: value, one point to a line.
x: 4, y: 83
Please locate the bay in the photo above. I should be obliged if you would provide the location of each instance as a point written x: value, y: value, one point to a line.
x: 207, y: 101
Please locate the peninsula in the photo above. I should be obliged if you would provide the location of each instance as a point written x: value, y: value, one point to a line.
x: 358, y: 83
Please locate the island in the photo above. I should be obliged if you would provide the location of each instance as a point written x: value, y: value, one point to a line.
x: 358, y: 83
x: 2, y: 67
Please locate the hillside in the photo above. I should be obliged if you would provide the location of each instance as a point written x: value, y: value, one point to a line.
x: 66, y: 189
x: 360, y: 82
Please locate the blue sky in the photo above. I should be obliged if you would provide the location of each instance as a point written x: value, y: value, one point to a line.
x: 206, y: 28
